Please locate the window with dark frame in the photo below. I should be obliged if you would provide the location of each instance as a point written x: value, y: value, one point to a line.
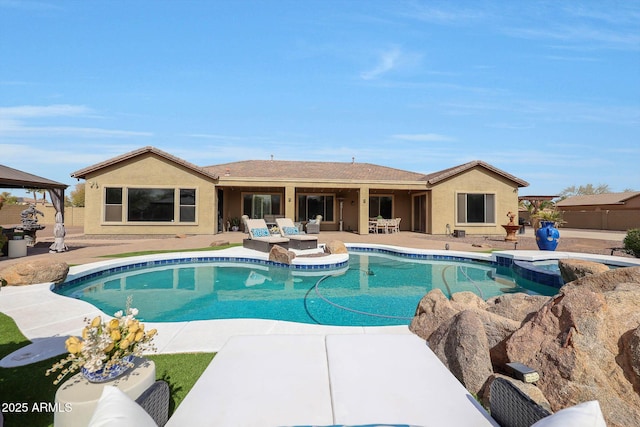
x: 150, y: 205
x: 476, y: 208
x: 113, y: 204
x: 187, y: 205
x: 312, y: 205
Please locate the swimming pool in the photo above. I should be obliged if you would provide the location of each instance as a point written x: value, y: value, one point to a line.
x: 375, y: 288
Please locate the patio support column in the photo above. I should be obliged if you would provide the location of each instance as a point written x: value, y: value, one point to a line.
x: 290, y: 202
x: 363, y: 211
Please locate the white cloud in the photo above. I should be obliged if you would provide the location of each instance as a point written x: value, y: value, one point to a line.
x: 56, y: 110
x: 15, y: 122
x: 387, y: 61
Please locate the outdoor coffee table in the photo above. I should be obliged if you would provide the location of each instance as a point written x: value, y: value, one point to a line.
x: 76, y: 399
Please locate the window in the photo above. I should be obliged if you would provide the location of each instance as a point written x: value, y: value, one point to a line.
x: 476, y: 208
x: 310, y: 206
x: 113, y: 204
x: 259, y: 205
x: 381, y: 206
x: 187, y: 205
x: 150, y: 205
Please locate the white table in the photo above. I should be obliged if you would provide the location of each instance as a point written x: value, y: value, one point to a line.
x: 76, y: 398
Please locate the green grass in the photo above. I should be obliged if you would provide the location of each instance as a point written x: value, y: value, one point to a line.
x: 152, y: 252
x: 28, y: 384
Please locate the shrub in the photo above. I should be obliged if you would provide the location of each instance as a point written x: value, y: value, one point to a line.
x: 632, y: 242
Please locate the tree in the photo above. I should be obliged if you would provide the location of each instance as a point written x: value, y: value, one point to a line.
x: 76, y: 198
x: 8, y: 199
x: 584, y: 190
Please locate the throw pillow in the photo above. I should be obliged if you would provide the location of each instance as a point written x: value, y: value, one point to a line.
x: 290, y: 230
x: 116, y: 409
x: 582, y: 415
x: 260, y: 232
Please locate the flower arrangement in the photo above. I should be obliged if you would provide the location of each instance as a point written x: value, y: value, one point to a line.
x: 105, y: 345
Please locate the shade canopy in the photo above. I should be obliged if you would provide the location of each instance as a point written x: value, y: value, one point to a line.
x: 14, y: 178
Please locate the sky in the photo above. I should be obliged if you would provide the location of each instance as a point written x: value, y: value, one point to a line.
x: 548, y: 91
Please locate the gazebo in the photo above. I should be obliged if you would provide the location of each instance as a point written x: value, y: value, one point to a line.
x: 14, y: 178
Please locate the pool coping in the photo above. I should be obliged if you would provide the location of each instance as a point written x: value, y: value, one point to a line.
x: 39, y: 312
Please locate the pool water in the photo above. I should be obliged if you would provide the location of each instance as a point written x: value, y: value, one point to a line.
x: 375, y: 290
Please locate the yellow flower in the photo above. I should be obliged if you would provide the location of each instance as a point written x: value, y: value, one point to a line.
x: 133, y: 326
x: 139, y: 335
x: 73, y: 345
x: 96, y: 322
x: 109, y: 348
x: 115, y: 335
x: 114, y: 324
x: 125, y: 343
x: 151, y: 333
x: 85, y: 333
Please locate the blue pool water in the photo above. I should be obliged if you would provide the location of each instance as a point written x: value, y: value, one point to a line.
x: 374, y: 290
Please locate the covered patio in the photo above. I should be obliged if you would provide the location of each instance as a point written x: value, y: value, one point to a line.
x: 17, y: 179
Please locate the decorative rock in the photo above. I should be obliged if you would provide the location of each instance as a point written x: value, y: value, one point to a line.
x: 466, y: 299
x: 633, y: 351
x: 606, y: 281
x: 573, y: 269
x: 336, y: 247
x: 433, y: 309
x: 461, y: 344
x: 35, y: 271
x: 281, y: 255
x: 519, y: 306
x: 575, y: 343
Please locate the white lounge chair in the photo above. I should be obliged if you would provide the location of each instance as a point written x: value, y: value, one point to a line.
x: 296, y: 240
x: 260, y: 239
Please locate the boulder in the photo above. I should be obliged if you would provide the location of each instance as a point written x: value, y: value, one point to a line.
x: 576, y: 342
x: 461, y: 344
x: 433, y: 309
x: 606, y: 281
x: 573, y: 269
x: 518, y: 306
x: 466, y: 299
x: 35, y: 271
x: 336, y: 247
x: 631, y: 347
x: 281, y: 255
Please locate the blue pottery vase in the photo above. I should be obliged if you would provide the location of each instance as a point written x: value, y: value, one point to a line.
x: 116, y: 370
x: 547, y: 236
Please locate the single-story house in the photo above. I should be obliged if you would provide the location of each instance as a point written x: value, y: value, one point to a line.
x: 608, y: 211
x: 149, y: 191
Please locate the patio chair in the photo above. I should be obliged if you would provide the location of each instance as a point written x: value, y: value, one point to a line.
x: 394, y: 225
x: 511, y: 407
x: 296, y: 240
x: 313, y: 226
x: 260, y: 239
x: 151, y: 408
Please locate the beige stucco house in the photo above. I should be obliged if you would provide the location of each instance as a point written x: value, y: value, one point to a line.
x: 149, y: 191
